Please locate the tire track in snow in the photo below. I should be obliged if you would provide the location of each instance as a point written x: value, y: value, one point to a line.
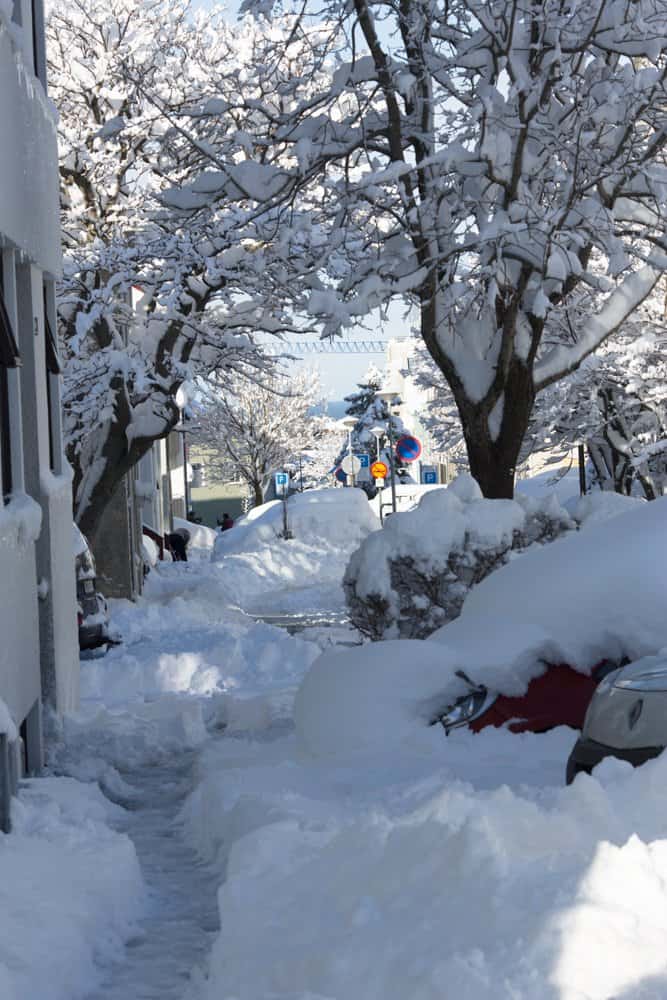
x: 176, y: 935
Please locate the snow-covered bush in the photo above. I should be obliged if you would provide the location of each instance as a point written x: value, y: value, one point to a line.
x: 413, y: 576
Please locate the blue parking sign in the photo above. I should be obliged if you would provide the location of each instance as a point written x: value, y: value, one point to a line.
x: 364, y: 460
x: 282, y: 482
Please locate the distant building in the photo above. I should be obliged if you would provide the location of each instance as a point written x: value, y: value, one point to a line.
x: 39, y: 656
x: 414, y: 401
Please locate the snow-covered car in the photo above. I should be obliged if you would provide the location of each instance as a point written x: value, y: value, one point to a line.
x: 559, y: 697
x: 627, y: 717
x: 92, y: 610
x: 537, y: 636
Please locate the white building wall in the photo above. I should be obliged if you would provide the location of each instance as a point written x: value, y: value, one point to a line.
x: 37, y: 589
x: 29, y: 200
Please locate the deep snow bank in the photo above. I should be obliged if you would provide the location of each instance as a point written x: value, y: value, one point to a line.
x: 253, y: 561
x: 340, y: 517
x: 598, y: 593
x: 412, y: 576
x: 391, y: 879
x: 70, y: 891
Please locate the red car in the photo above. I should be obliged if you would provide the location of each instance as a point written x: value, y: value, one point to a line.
x: 559, y: 697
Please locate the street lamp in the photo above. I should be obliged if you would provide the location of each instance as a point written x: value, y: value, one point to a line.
x: 378, y: 433
x: 389, y: 397
x: 350, y: 423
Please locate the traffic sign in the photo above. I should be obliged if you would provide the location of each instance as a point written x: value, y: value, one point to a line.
x: 429, y: 474
x: 364, y: 459
x: 351, y: 465
x: 282, y: 482
x: 340, y: 475
x: 379, y: 470
x: 408, y: 448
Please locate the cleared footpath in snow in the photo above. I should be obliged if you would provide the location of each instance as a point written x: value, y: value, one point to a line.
x: 174, y: 937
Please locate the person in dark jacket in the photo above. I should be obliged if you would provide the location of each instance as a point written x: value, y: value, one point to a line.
x: 226, y: 523
x: 177, y: 543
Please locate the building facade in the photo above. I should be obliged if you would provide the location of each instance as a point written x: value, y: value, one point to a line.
x: 39, y: 657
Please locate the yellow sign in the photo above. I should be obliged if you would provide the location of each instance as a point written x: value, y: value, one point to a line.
x: 379, y: 470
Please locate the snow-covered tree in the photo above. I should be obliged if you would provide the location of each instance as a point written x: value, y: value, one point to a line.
x: 253, y: 428
x: 317, y: 458
x: 125, y: 74
x: 371, y: 412
x: 364, y: 396
x: 615, y: 404
x: 498, y: 164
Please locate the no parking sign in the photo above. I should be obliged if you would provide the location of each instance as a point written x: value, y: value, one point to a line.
x: 408, y: 448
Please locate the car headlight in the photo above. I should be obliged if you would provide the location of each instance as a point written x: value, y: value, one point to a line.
x: 466, y: 709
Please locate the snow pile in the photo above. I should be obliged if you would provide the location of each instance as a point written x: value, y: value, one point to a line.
x: 342, y: 517
x: 202, y: 539
x: 597, y: 594
x: 69, y: 885
x: 407, y: 882
x: 186, y: 661
x: 255, y: 565
x: 150, y: 552
x: 601, y: 506
x: 413, y: 576
x: 20, y: 521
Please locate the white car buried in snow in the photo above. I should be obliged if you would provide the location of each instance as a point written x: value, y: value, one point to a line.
x: 627, y: 717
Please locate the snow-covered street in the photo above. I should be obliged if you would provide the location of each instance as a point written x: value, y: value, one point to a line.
x: 333, y: 500
x: 228, y: 861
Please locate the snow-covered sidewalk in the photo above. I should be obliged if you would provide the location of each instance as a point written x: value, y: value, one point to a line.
x: 240, y: 865
x: 171, y: 943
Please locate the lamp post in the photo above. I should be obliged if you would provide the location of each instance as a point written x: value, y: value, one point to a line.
x: 350, y: 423
x: 388, y: 396
x: 377, y: 433
x: 181, y: 400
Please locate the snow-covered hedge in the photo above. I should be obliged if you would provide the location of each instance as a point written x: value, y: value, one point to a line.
x: 412, y: 577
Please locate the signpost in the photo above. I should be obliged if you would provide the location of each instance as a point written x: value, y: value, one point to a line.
x: 408, y: 448
x: 379, y: 470
x: 282, y: 490
x: 282, y: 482
x: 351, y: 465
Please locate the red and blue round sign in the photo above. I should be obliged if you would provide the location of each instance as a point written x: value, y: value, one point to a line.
x: 408, y: 448
x: 340, y: 475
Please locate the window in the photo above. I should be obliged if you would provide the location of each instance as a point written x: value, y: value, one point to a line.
x: 9, y: 358
x: 52, y: 368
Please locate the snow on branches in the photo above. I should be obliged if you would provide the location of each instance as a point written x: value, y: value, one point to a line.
x: 253, y: 428
x: 153, y: 293
x: 500, y: 164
